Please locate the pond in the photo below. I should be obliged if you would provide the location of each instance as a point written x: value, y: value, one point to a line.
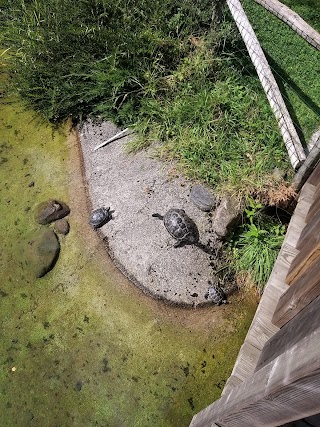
x: 82, y: 346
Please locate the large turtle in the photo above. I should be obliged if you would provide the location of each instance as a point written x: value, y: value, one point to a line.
x: 180, y: 226
x: 99, y: 217
x: 216, y: 294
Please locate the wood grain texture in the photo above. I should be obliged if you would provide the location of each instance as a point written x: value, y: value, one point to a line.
x: 308, y: 254
x: 284, y: 390
x: 298, y: 220
x: 292, y: 19
x: 233, y: 381
x: 299, y: 295
x: 315, y: 208
x: 311, y: 232
x: 302, y: 325
x: 314, y: 178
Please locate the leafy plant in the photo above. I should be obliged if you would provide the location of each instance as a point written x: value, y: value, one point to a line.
x: 256, y: 248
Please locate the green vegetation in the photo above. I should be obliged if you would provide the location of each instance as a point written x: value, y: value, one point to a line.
x: 167, y: 69
x: 296, y: 64
x: 256, y: 247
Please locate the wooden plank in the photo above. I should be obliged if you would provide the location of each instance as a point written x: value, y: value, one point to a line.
x: 310, y: 163
x: 299, y: 294
x: 304, y: 324
x: 308, y: 254
x: 297, y: 222
x: 314, y: 178
x: 317, y: 193
x: 233, y: 381
x: 246, y: 362
x: 310, y: 232
x: 314, y: 209
x: 292, y: 19
x: 284, y: 390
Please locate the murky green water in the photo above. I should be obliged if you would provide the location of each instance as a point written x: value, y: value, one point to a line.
x: 82, y: 346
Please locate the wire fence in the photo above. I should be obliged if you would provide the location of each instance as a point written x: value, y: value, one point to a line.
x: 291, y: 139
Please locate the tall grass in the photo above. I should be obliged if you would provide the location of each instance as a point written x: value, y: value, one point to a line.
x: 169, y: 69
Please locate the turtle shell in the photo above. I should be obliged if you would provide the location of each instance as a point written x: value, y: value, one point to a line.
x: 99, y: 217
x: 216, y: 294
x: 180, y: 226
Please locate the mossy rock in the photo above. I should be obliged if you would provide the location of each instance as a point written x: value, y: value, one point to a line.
x: 40, y: 251
x: 51, y: 210
x: 61, y: 226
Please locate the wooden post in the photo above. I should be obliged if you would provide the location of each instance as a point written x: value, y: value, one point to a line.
x: 306, y: 169
x: 269, y: 84
x: 284, y: 390
x: 292, y: 19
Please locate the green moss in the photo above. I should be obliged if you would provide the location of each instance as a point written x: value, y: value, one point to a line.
x: 87, y: 347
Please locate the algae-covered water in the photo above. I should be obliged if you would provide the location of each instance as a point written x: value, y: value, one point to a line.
x: 82, y: 346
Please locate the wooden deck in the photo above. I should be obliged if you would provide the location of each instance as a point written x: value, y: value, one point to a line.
x: 262, y: 328
x: 276, y: 378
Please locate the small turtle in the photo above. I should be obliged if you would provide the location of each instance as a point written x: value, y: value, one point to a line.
x: 99, y: 217
x: 216, y: 294
x: 180, y: 226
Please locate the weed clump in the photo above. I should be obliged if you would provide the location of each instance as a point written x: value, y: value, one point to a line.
x: 256, y: 244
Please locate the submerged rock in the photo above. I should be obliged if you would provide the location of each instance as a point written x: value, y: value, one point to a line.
x: 61, y: 226
x: 40, y: 251
x: 203, y: 198
x: 51, y: 210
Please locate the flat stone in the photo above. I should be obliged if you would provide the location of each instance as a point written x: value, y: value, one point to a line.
x: 203, y: 198
x: 61, y: 226
x: 226, y: 215
x: 40, y: 251
x: 51, y: 210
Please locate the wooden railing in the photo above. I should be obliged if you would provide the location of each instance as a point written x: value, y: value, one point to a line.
x: 279, y: 381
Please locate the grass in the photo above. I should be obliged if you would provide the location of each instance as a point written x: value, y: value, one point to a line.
x: 256, y: 243
x: 296, y: 64
x: 171, y: 73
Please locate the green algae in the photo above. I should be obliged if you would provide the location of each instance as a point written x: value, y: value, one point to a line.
x: 82, y: 346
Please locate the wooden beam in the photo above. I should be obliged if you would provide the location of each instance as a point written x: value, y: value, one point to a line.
x: 292, y: 19
x: 315, y: 208
x: 298, y: 295
x: 309, y: 165
x: 284, y: 390
x: 315, y: 176
x: 291, y: 139
x: 309, y: 253
x: 311, y: 232
x: 304, y: 324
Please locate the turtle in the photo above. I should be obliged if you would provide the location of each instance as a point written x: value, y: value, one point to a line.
x: 99, y: 217
x: 216, y: 294
x: 180, y: 226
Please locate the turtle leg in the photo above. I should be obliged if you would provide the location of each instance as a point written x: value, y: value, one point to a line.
x: 156, y: 215
x: 178, y: 243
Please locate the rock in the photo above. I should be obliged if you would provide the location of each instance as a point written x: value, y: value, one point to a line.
x: 49, y: 211
x: 61, y: 226
x: 203, y: 198
x: 226, y: 215
x: 40, y: 251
